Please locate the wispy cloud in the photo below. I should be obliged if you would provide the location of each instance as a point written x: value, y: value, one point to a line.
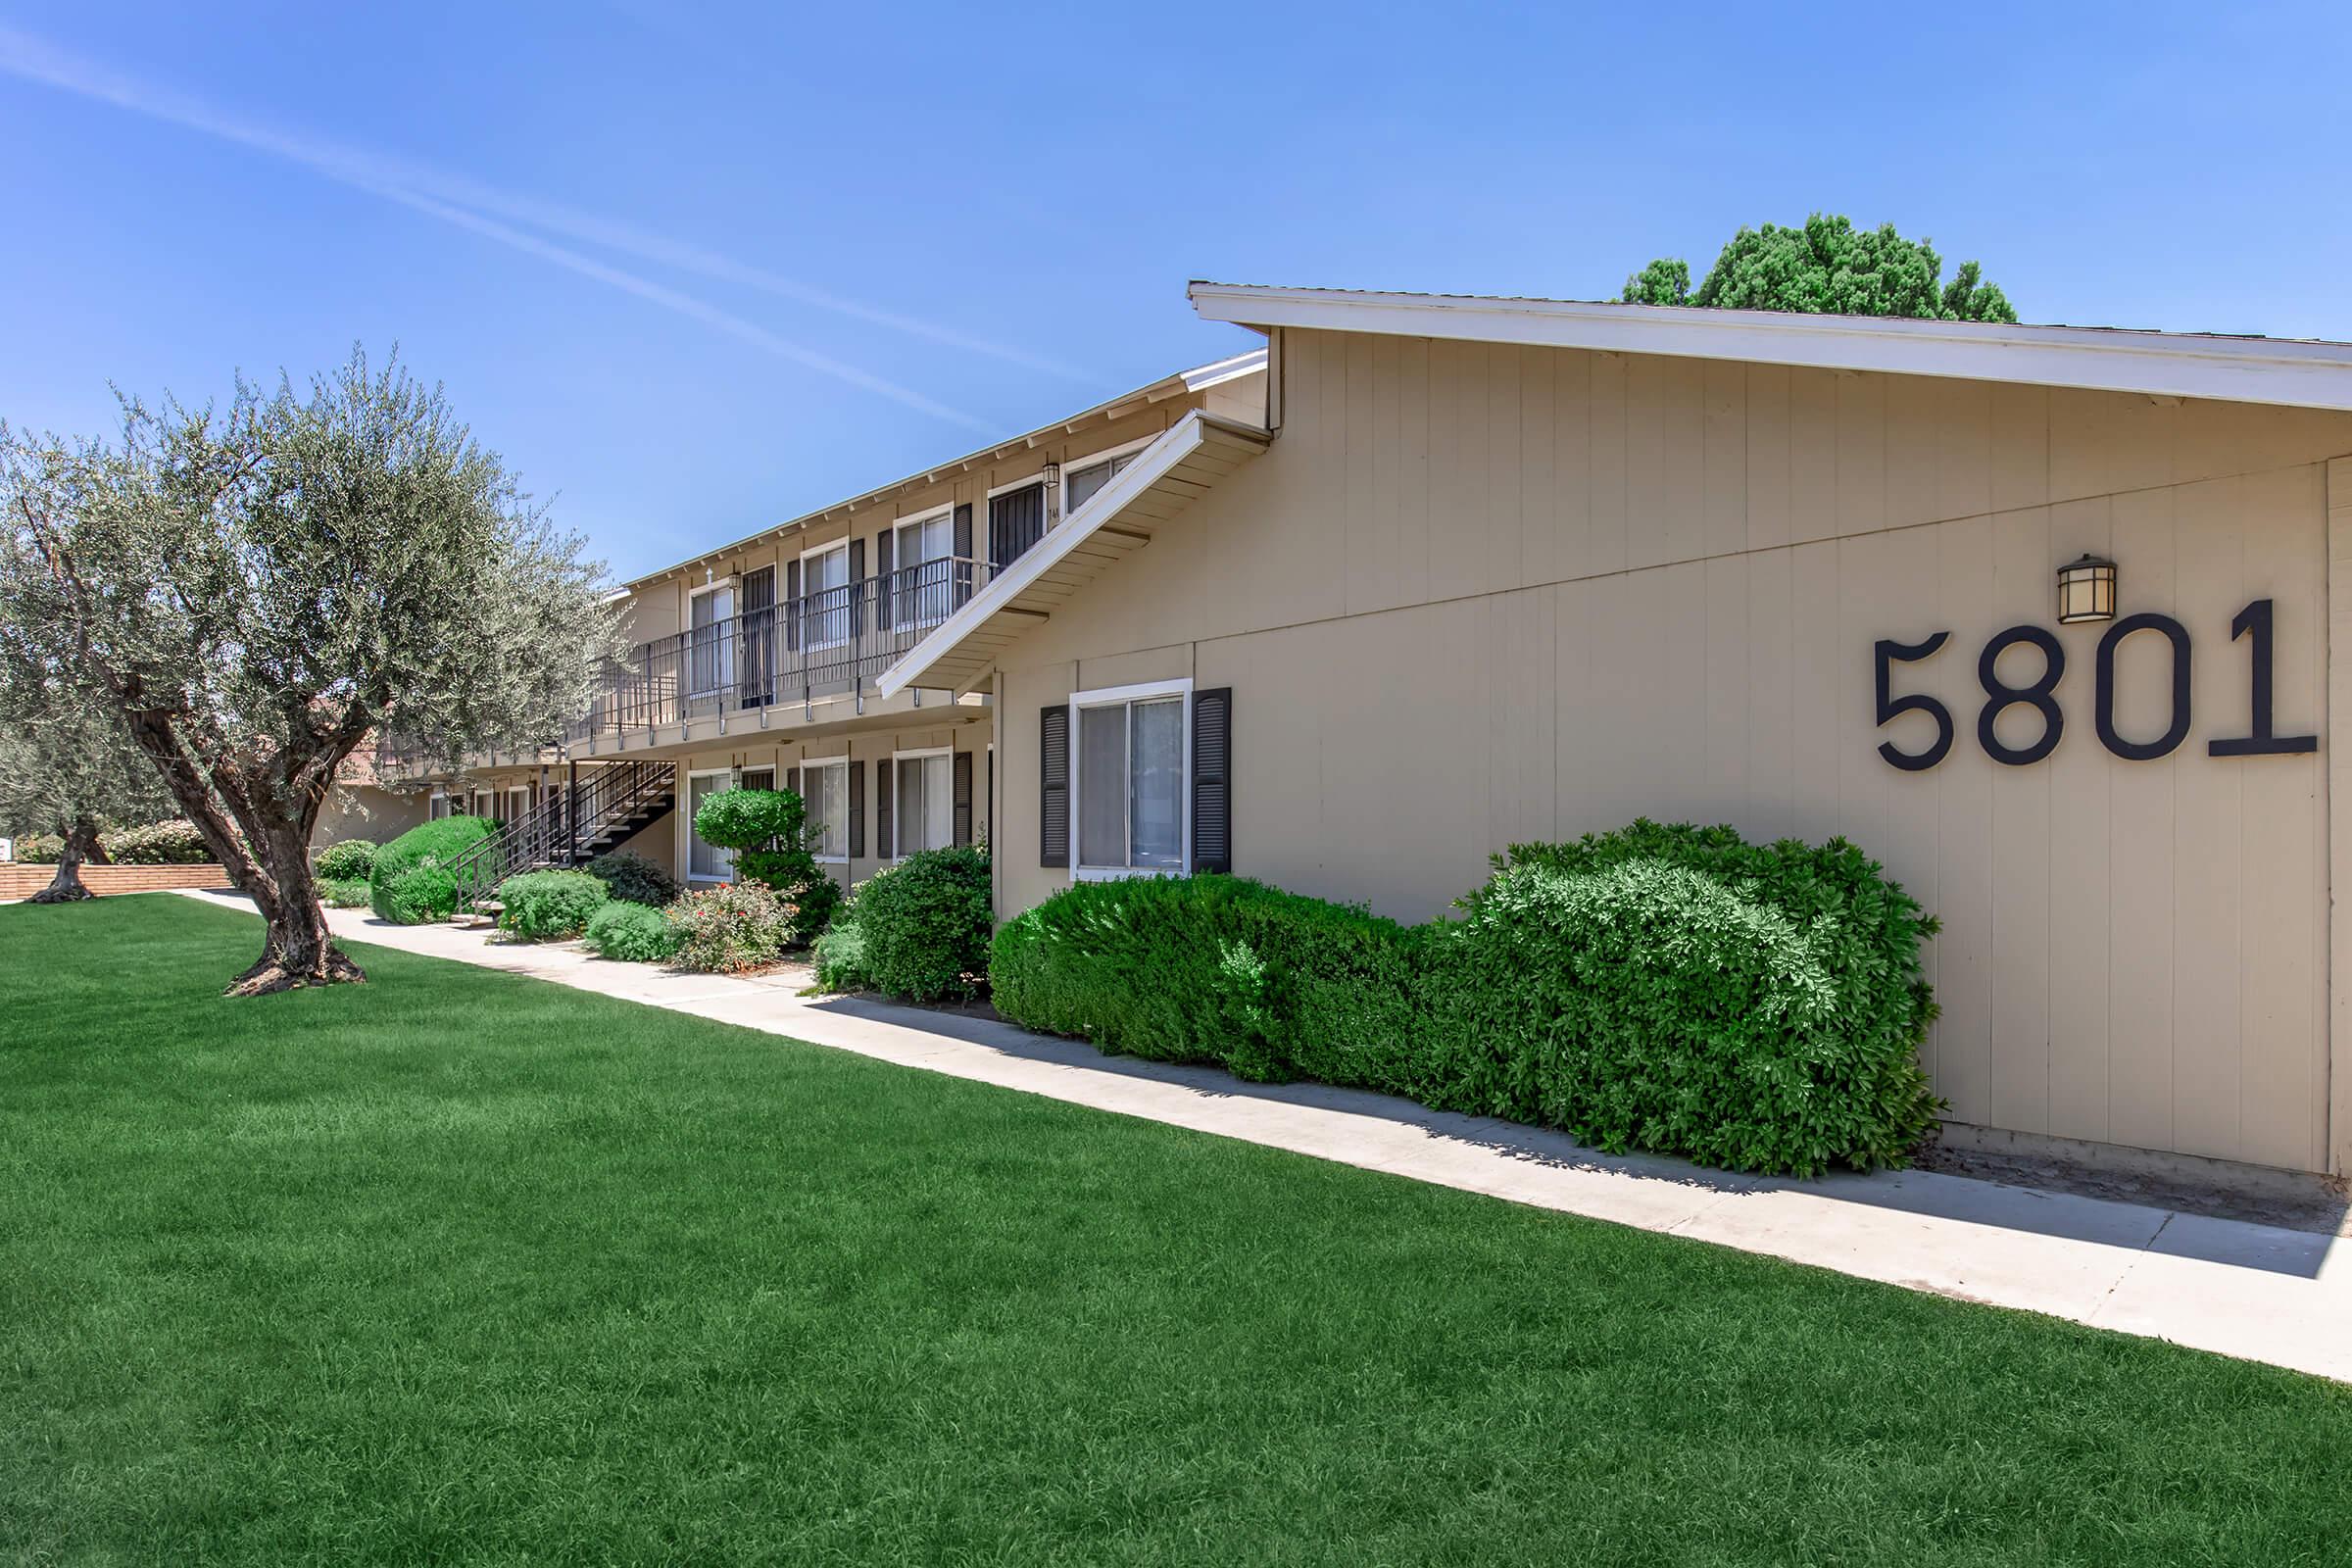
x: 472, y: 205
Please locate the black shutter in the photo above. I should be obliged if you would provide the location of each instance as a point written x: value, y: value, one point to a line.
x: 792, y: 603
x: 791, y: 779
x: 884, y: 544
x: 1212, y: 780
x: 1053, y: 785
x: 963, y: 555
x: 884, y: 845
x: 992, y: 799
x: 857, y: 771
x: 962, y: 766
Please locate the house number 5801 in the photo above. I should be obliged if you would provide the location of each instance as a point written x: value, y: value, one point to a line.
x: 2253, y: 624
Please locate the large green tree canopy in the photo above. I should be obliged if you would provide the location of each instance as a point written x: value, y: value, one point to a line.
x: 1831, y: 266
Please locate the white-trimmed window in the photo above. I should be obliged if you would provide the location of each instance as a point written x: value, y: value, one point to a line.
x: 825, y: 791
x: 922, y: 807
x: 711, y: 637
x: 519, y: 803
x: 437, y: 807
x: 1082, y: 480
x: 825, y: 595
x: 1129, y: 760
x: 922, y: 553
x: 705, y: 862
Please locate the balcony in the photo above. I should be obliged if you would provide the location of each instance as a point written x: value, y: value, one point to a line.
x: 828, y: 644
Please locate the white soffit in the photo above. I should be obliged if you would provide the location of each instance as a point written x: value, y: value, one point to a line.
x: 1180, y: 464
x: 2294, y: 372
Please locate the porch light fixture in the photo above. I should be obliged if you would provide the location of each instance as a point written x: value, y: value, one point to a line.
x: 1053, y: 474
x: 2086, y: 590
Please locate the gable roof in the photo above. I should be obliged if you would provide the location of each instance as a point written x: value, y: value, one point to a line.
x: 1200, y: 379
x: 2294, y: 372
x: 1180, y: 464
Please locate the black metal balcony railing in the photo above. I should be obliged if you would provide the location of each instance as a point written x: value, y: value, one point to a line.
x: 822, y: 644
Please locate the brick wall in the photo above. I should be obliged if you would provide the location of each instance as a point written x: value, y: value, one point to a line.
x: 24, y: 881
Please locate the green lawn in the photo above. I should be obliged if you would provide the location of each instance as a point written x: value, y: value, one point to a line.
x: 461, y: 1267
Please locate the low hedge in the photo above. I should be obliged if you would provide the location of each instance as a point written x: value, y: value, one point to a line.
x: 732, y: 927
x: 839, y: 953
x: 410, y: 882
x: 549, y: 906
x: 1756, y: 1008
x: 630, y: 932
x: 41, y: 848
x: 633, y: 879
x: 923, y: 926
x: 351, y: 860
x: 170, y: 842
x: 342, y: 892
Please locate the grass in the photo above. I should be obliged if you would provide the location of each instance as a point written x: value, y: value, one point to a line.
x: 457, y: 1266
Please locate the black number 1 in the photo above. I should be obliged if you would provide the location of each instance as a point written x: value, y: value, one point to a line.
x: 2255, y: 620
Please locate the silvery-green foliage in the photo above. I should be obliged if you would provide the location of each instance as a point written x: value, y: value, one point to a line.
x: 255, y: 588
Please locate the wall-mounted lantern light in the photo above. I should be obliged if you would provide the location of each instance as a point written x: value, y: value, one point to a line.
x: 1053, y: 474
x: 2086, y: 590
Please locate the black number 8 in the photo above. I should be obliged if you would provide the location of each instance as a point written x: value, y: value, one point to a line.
x: 2000, y: 696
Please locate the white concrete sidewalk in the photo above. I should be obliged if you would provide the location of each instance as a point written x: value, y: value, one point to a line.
x: 2258, y: 1291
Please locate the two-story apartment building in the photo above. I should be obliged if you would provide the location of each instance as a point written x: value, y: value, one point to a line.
x: 757, y: 663
x: 2039, y: 617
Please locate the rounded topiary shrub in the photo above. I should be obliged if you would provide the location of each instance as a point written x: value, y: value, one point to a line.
x: 410, y: 881
x: 732, y: 928
x: 351, y: 860
x: 767, y: 831
x: 549, y: 906
x: 633, y: 933
x: 924, y: 927
x: 634, y: 879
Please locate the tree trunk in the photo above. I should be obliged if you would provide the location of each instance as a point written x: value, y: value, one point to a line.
x: 299, y: 950
x: 81, y: 844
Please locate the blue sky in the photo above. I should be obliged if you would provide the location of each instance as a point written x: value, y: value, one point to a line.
x: 695, y: 269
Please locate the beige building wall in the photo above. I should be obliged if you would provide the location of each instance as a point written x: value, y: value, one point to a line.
x: 1477, y: 595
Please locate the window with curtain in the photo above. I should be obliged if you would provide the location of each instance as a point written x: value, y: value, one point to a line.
x: 704, y: 862
x: 825, y: 791
x: 1080, y: 483
x: 923, y: 813
x: 711, y: 638
x: 922, y: 587
x: 825, y: 596
x: 1130, y: 784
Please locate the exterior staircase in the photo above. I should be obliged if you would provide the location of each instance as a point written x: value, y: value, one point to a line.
x: 572, y: 826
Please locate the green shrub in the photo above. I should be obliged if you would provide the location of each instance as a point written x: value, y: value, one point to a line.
x: 1268, y: 983
x: 1650, y: 1006
x: 349, y: 861
x: 343, y: 893
x: 839, y: 952
x: 1758, y: 1007
x: 171, y: 843
x: 412, y: 881
x: 41, y: 848
x: 633, y: 933
x: 548, y: 906
x: 766, y: 830
x: 732, y: 928
x: 634, y: 879
x: 924, y: 925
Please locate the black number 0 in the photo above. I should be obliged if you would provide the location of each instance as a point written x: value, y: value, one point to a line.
x: 2000, y: 696
x: 1892, y: 707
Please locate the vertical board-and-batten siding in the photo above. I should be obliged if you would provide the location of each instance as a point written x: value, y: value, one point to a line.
x: 1482, y: 594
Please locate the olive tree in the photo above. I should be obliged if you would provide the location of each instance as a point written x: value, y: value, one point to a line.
x: 1828, y: 265
x: 252, y: 591
x: 66, y: 767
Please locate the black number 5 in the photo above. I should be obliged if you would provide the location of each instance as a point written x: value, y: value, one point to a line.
x: 1892, y: 707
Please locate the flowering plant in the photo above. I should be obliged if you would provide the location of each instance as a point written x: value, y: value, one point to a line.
x: 733, y: 927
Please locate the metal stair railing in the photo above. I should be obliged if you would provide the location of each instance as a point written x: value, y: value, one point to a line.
x: 553, y: 832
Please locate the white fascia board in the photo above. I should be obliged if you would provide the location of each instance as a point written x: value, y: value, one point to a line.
x: 1169, y: 448
x: 2287, y: 372
x: 1202, y: 377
